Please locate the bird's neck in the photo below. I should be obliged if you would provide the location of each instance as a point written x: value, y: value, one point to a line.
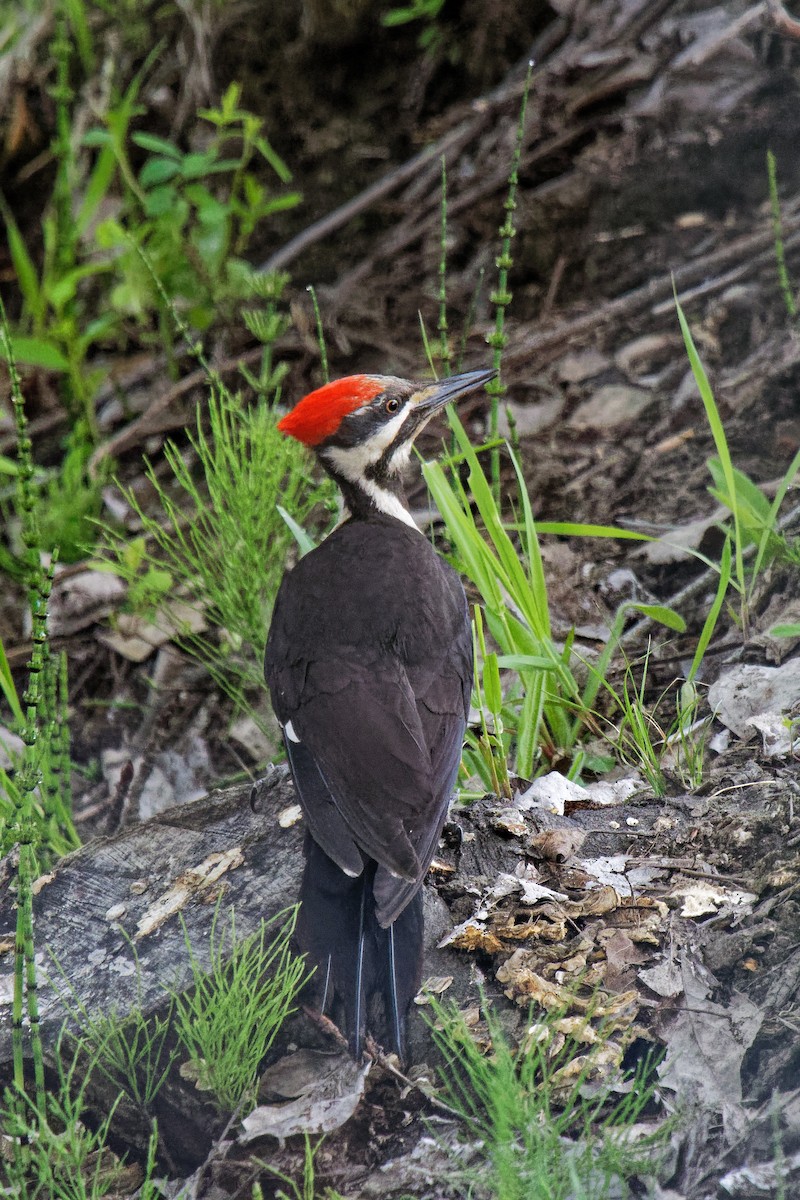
x: 365, y: 498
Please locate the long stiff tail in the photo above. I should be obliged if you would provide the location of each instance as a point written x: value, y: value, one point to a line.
x: 366, y: 975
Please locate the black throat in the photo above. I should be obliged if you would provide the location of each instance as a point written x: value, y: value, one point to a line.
x: 378, y: 492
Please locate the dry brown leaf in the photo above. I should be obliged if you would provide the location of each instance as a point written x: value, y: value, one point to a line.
x: 557, y: 845
x: 472, y: 936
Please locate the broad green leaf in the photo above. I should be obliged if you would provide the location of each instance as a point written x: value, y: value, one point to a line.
x: 158, y: 170
x: 37, y: 352
x: 572, y: 529
x: 275, y: 161
x: 27, y: 275
x: 491, y: 684
x: 772, y: 516
x: 97, y: 187
x: 61, y: 291
x: 662, y: 614
x: 519, y: 662
x: 787, y: 631
x: 96, y: 137
x: 8, y: 687
x: 304, y: 541
x: 156, y: 145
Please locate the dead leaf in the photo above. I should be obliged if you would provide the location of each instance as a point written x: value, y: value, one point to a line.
x: 470, y: 935
x: 703, y: 897
x: 324, y: 1105
x: 612, y: 404
x: 509, y: 821
x: 747, y: 689
x: 706, y: 1046
x: 135, y: 639
x: 671, y: 547
x: 764, y: 1179
x: 577, y: 366
x: 434, y: 985
x: 550, y: 792
x: 290, y: 816
x: 80, y: 600
x: 557, y: 845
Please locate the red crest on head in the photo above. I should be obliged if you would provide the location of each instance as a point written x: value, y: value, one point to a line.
x: 318, y: 415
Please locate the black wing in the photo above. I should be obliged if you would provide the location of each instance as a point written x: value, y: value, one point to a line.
x: 373, y: 702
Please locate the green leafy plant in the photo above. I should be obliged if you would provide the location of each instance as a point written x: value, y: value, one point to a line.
x: 35, y: 802
x: 419, y: 10
x: 228, y: 1020
x: 486, y: 750
x: 634, y: 731
x: 753, y: 519
x: 545, y: 1134
x: 306, y: 1188
x: 267, y: 321
x: 686, y: 740
x: 549, y: 710
x: 513, y: 591
x: 758, y: 517
x: 60, y: 325
x: 192, y: 234
x: 501, y: 296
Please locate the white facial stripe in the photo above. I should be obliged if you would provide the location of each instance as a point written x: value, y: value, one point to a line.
x: 400, y: 459
x: 353, y: 461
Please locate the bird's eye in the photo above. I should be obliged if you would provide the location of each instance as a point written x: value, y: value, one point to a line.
x: 391, y: 405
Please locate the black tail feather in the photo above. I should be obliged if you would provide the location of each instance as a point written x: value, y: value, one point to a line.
x: 354, y: 1032
x: 366, y: 976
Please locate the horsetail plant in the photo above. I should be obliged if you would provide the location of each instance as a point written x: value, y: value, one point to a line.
x: 777, y: 225
x: 444, y: 343
x: 501, y: 296
x: 37, y: 828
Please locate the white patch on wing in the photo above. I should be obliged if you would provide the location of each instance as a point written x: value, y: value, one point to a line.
x: 288, y: 729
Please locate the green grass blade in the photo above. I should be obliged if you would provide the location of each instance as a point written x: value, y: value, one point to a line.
x: 8, y: 687
x: 713, y: 613
x: 573, y: 529
x: 772, y: 515
x: 304, y: 539
x: 27, y: 275
x: 720, y: 439
x: 662, y: 614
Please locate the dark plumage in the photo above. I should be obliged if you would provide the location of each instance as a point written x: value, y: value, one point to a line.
x: 369, y: 666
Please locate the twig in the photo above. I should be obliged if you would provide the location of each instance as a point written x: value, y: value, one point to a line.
x: 543, y: 347
x: 449, y: 143
x: 145, y: 425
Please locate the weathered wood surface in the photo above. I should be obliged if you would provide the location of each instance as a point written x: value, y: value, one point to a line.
x: 119, y: 900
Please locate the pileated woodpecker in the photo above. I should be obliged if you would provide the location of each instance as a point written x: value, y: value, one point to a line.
x: 369, y: 666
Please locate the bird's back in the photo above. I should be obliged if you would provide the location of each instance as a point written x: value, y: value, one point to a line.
x: 373, y: 694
